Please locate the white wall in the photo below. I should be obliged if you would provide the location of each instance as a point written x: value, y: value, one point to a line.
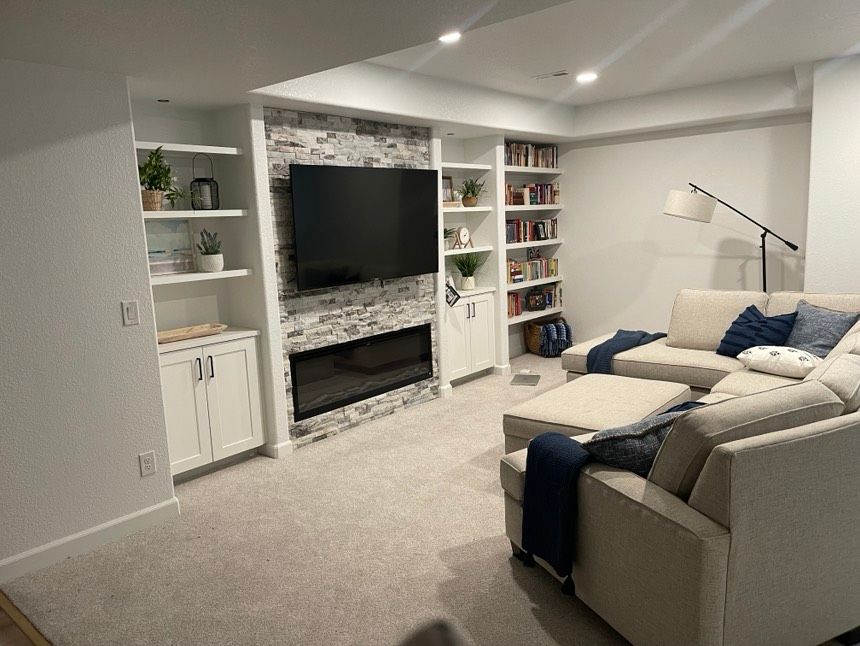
x: 80, y: 394
x: 833, y: 232
x: 624, y: 261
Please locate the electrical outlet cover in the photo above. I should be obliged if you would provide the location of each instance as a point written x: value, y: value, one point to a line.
x: 147, y: 463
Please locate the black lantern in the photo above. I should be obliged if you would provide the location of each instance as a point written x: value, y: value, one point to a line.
x: 204, y: 190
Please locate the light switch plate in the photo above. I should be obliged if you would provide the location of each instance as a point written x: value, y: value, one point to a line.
x: 130, y: 313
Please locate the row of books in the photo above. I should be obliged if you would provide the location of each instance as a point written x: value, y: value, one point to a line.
x: 521, y: 271
x: 532, y: 194
x: 517, y: 302
x: 536, y: 155
x: 530, y: 230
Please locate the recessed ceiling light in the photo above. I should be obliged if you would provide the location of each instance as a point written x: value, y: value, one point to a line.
x: 450, y: 37
x: 586, y: 77
x: 163, y: 100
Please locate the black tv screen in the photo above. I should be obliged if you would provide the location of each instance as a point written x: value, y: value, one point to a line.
x: 355, y: 224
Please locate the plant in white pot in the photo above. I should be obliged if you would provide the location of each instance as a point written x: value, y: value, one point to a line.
x: 210, y: 258
x: 448, y: 235
x: 156, y: 182
x: 468, y: 264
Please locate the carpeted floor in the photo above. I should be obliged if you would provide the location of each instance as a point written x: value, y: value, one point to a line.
x: 356, y: 539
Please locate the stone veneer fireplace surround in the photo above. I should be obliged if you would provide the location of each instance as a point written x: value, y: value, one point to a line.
x: 311, y: 320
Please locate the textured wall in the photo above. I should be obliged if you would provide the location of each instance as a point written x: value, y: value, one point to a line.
x: 325, y: 317
x: 80, y: 394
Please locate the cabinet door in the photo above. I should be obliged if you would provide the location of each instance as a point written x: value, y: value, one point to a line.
x: 482, y: 335
x: 183, y: 388
x: 233, y: 393
x: 457, y: 339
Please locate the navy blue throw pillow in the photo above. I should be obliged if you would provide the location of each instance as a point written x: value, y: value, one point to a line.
x: 754, y: 328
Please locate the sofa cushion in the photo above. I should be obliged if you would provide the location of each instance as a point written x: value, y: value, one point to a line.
x: 713, y: 397
x: 785, y: 302
x: 695, y: 433
x: 842, y: 376
x: 780, y: 360
x: 818, y: 330
x: 574, y: 358
x: 700, y: 317
x: 592, y: 403
x: 746, y: 382
x: 696, y: 368
x: 754, y: 328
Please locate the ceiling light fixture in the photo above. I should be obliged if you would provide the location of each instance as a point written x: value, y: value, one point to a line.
x: 586, y: 77
x: 450, y: 37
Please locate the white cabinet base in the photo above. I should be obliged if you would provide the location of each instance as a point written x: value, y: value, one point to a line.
x: 469, y: 336
x: 212, y: 402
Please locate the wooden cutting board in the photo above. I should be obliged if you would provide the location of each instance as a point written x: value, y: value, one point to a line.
x: 190, y: 332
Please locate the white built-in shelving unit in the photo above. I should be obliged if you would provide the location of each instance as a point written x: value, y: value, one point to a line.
x: 483, y: 158
x: 244, y: 294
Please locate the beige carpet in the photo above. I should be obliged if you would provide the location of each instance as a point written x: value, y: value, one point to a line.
x: 356, y: 539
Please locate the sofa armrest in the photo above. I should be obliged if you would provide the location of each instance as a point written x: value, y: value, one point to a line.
x: 792, y: 502
x: 647, y: 562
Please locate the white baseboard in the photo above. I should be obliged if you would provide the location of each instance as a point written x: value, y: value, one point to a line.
x: 446, y: 391
x: 74, y: 544
x: 276, y: 451
x: 502, y: 370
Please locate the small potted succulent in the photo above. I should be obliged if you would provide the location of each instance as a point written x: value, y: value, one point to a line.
x: 467, y: 264
x: 157, y: 183
x: 210, y: 258
x: 470, y: 191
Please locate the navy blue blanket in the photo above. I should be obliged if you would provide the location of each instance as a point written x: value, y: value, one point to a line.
x: 600, y: 357
x: 553, y: 463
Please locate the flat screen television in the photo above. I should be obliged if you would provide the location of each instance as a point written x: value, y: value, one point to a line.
x: 356, y: 224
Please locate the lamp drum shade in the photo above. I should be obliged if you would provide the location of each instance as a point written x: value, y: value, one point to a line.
x: 690, y: 206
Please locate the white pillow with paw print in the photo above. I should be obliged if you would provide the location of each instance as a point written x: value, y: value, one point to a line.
x: 779, y: 360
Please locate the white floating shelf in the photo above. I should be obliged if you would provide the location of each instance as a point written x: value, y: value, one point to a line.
x: 534, y: 243
x: 230, y: 334
x: 466, y: 293
x: 533, y: 207
x: 512, y: 287
x: 187, y: 149
x: 193, y: 277
x: 464, y: 166
x: 467, y: 209
x: 529, y: 316
x: 477, y: 249
x: 194, y: 215
x: 532, y: 170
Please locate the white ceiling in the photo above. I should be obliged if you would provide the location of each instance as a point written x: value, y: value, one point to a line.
x: 640, y: 46
x: 205, y: 52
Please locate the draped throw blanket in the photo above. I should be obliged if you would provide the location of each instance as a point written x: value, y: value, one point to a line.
x: 555, y: 338
x: 600, y: 357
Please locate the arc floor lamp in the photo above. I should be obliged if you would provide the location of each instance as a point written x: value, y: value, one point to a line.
x: 699, y: 205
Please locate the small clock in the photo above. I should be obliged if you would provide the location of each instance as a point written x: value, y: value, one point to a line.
x: 462, y: 238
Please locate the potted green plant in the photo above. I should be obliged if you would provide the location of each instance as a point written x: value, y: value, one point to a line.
x: 210, y: 258
x: 470, y: 191
x: 467, y: 264
x: 157, y: 183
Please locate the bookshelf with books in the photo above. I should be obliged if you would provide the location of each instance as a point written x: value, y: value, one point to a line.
x: 532, y: 194
x: 533, y: 155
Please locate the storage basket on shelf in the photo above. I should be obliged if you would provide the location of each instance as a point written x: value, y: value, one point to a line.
x: 548, y: 339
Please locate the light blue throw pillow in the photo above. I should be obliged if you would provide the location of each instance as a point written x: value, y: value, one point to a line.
x: 817, y: 330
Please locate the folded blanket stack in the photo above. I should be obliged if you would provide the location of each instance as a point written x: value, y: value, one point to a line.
x: 555, y: 338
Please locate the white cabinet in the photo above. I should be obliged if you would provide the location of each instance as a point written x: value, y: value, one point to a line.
x: 470, y: 337
x: 211, y: 402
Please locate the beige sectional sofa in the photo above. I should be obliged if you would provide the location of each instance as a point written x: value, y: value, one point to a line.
x: 746, y: 529
x: 698, y: 322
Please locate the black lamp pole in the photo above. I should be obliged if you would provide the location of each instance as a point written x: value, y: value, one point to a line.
x: 764, y: 232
